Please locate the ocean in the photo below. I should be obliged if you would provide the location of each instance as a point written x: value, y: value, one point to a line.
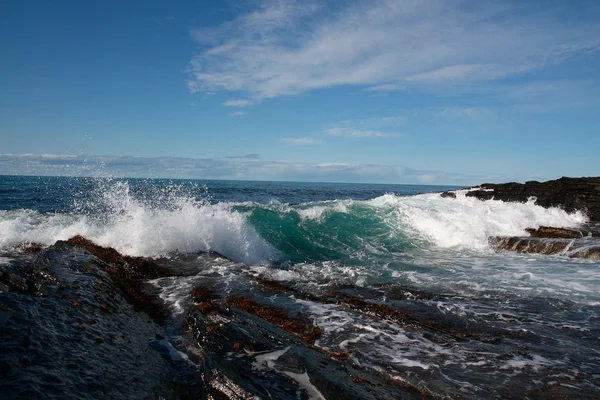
x: 528, y: 324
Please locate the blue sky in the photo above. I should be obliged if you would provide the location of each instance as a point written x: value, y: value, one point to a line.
x: 428, y: 91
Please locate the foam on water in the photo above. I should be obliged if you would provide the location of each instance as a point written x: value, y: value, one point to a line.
x: 268, y: 361
x: 466, y: 221
x: 138, y: 227
x: 317, y: 212
x: 174, y: 221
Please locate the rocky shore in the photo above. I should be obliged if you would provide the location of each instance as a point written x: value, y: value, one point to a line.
x: 569, y: 194
x: 78, y: 320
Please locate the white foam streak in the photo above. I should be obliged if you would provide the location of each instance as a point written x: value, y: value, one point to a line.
x: 318, y: 212
x: 466, y: 221
x: 28, y: 226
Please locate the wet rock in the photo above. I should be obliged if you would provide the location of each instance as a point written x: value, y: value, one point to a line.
x: 21, y: 281
x: 248, y: 356
x: 130, y: 267
x: 277, y: 316
x: 554, y: 233
x: 60, y: 344
x: 550, y: 232
x: 129, y: 273
x: 574, y: 248
x: 29, y: 247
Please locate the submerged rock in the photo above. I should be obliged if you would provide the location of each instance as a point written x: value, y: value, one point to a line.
x: 574, y: 243
x: 550, y: 232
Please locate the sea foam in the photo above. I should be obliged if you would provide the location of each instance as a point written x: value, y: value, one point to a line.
x: 466, y: 221
x: 172, y: 220
x: 139, y: 227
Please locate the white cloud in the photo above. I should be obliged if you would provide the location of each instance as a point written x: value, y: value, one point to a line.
x: 473, y: 113
x: 377, y: 127
x: 248, y: 166
x: 286, y: 47
x: 386, y: 87
x: 302, y: 140
x: 237, y: 103
x: 357, y: 133
x: 238, y: 113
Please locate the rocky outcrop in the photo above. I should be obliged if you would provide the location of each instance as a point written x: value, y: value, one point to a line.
x: 71, y: 327
x: 573, y: 248
x: 129, y: 273
x: 561, y: 233
x: 573, y: 243
x: 570, y: 194
x: 68, y: 330
x: 74, y: 323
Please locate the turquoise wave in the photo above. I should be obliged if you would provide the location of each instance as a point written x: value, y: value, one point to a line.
x: 345, y: 231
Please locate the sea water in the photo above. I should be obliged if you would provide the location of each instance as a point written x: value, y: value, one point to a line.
x: 432, y: 251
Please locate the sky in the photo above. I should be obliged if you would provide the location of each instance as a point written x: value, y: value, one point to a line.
x: 391, y: 91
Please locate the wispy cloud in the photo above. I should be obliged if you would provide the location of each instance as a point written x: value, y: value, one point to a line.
x: 357, y: 133
x: 251, y: 156
x: 386, y: 87
x: 249, y: 166
x: 238, y: 113
x: 237, y: 103
x: 472, y: 113
x: 302, y: 140
x: 286, y: 48
x: 376, y: 127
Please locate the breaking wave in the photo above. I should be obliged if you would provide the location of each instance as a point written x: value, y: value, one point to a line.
x: 173, y: 220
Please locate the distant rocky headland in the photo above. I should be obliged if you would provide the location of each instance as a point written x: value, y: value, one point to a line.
x: 569, y: 194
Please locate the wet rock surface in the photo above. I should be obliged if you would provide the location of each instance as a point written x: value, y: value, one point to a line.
x: 129, y: 273
x: 574, y: 243
x: 575, y: 248
x: 68, y: 331
x: 71, y: 328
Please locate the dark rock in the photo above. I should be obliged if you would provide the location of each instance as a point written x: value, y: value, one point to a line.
x: 60, y: 344
x: 277, y: 316
x: 451, y: 195
x: 132, y: 267
x: 550, y: 232
x: 29, y: 247
x: 129, y: 273
x: 574, y: 248
x: 247, y: 357
x: 570, y: 194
